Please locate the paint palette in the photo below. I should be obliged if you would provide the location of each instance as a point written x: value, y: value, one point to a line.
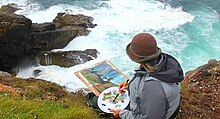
x: 105, y: 100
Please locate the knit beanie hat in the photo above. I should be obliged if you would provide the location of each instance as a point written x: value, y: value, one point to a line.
x: 143, y: 48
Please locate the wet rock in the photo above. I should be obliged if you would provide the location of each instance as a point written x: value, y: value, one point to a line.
x: 9, y: 9
x: 14, y: 39
x: 4, y: 74
x: 75, y: 22
x: 19, y: 37
x: 45, y: 36
x: 57, y: 34
x: 36, y: 72
x: 66, y: 58
x: 42, y: 27
x: 69, y: 20
x: 52, y: 39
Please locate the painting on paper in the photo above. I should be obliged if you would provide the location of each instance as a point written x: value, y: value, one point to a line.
x: 101, y: 76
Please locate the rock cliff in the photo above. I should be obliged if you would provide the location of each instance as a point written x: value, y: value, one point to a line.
x: 15, y: 32
x: 19, y: 37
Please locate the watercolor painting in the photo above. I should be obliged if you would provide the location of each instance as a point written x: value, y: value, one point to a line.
x: 101, y: 76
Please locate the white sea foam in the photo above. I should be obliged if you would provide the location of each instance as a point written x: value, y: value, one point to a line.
x: 62, y: 76
x: 18, y: 2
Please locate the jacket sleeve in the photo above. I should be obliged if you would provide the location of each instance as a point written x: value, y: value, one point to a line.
x: 152, y: 104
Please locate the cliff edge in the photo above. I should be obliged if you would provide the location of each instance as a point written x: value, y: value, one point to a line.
x: 200, y: 95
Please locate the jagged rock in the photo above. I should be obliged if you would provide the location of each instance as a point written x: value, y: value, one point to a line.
x: 48, y: 36
x: 52, y: 39
x: 75, y: 22
x: 19, y: 37
x: 66, y: 58
x: 36, y: 72
x: 42, y: 27
x: 4, y: 74
x: 9, y: 9
x: 69, y: 20
x: 13, y: 23
x: 14, y: 39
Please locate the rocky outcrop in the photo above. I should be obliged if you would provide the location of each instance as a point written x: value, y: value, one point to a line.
x: 4, y: 74
x: 14, y: 39
x: 201, y: 92
x: 66, y: 58
x: 60, y: 32
x: 66, y: 20
x: 9, y: 9
x: 46, y: 37
x: 20, y: 37
x: 79, y: 21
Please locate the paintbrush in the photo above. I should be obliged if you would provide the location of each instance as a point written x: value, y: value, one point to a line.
x: 119, y: 92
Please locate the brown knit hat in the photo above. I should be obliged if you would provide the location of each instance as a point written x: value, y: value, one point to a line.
x: 143, y: 48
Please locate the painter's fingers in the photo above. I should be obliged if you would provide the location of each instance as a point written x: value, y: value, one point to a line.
x: 112, y: 110
x: 115, y: 112
x: 124, y: 88
x: 120, y: 86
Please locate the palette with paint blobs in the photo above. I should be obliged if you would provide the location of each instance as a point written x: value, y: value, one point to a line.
x: 105, y: 100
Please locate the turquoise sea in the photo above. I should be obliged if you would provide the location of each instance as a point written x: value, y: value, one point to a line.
x: 187, y: 29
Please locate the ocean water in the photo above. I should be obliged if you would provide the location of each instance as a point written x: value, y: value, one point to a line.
x: 188, y: 30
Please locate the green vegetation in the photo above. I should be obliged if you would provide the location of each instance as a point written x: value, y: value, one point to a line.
x: 17, y: 107
x: 38, y: 99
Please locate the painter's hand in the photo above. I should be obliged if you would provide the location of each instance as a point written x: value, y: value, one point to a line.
x: 121, y: 88
x: 115, y: 112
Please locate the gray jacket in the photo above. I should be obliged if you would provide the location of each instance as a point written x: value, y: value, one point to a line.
x: 155, y: 98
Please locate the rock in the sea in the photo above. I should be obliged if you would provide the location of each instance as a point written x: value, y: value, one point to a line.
x: 69, y: 20
x: 36, y: 72
x: 77, y: 22
x: 19, y: 37
x: 45, y: 37
x: 9, y: 9
x: 4, y: 74
x: 49, y: 26
x: 66, y: 58
x: 56, y: 35
x: 14, y: 39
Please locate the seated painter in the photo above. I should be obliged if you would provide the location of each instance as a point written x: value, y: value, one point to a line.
x: 155, y: 89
